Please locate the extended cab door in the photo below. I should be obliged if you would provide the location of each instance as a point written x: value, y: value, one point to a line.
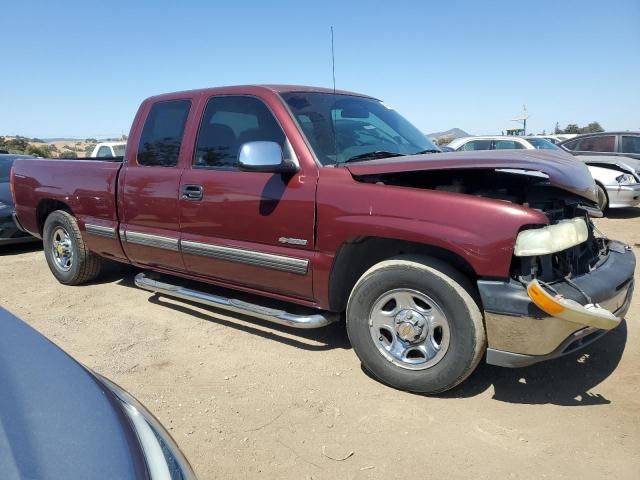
x: 148, y: 193
x: 253, y: 229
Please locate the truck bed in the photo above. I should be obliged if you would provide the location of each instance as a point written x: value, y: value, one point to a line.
x: 88, y: 187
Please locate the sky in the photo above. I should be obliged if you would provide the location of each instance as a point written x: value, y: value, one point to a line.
x: 81, y: 68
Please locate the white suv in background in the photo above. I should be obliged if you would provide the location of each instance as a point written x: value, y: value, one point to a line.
x: 617, y: 178
x: 498, y: 142
x: 109, y: 150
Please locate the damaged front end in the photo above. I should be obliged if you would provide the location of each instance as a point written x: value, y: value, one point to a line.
x: 567, y: 285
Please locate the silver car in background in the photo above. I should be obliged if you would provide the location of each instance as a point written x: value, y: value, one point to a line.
x: 617, y: 178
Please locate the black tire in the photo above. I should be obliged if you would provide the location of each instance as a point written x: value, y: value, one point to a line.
x: 84, y: 266
x: 603, y: 197
x: 451, y: 291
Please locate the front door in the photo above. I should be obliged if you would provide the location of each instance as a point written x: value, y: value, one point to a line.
x: 253, y: 229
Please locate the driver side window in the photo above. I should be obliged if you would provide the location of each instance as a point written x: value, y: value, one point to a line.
x: 228, y: 123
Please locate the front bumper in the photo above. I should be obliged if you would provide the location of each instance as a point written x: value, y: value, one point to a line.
x: 11, y: 231
x: 520, y: 334
x: 621, y: 196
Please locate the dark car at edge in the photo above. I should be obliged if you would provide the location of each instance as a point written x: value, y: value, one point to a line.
x: 10, y: 231
x: 60, y: 420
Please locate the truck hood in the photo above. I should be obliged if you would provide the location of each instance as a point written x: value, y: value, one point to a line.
x: 563, y: 170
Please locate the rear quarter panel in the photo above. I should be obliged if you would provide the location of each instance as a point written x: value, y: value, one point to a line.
x: 86, y: 187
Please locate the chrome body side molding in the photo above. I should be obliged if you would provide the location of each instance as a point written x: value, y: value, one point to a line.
x: 311, y: 320
x: 250, y: 257
x: 100, y: 230
x: 283, y: 263
x: 149, y: 240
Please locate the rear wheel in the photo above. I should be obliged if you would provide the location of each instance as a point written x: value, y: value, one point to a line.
x: 68, y: 257
x: 414, y: 324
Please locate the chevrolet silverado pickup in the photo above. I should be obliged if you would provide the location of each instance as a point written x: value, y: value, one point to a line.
x: 305, y: 206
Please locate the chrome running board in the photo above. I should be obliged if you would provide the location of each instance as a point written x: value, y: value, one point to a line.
x: 315, y: 320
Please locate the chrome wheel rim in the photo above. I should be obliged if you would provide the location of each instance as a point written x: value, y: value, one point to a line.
x: 61, y: 249
x: 409, y: 329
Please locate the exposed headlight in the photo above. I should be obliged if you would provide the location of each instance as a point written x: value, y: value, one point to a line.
x: 550, y: 239
x: 626, y: 179
x: 164, y: 459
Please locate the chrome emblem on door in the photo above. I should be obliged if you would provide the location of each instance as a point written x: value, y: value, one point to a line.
x: 292, y: 241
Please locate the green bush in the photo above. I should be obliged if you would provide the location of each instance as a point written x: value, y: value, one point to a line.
x: 37, y: 151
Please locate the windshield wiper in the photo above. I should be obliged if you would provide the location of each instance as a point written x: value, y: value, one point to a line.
x: 432, y: 150
x: 373, y: 156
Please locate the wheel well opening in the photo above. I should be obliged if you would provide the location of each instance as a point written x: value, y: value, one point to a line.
x: 357, y: 256
x: 46, y: 207
x: 601, y: 185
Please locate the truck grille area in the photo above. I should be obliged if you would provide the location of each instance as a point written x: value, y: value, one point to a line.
x: 572, y: 262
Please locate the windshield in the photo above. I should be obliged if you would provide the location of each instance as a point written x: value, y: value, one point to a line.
x: 118, y: 150
x: 364, y: 128
x: 542, y: 144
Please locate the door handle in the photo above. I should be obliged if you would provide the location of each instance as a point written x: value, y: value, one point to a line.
x: 192, y: 192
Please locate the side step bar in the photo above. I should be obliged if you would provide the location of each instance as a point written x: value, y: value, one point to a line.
x: 281, y: 317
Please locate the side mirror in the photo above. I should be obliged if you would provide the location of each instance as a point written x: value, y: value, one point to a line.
x: 265, y: 157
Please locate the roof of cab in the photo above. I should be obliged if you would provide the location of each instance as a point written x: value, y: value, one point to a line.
x: 248, y: 89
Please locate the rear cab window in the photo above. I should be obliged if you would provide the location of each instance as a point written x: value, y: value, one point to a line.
x: 162, y: 134
x: 104, y: 152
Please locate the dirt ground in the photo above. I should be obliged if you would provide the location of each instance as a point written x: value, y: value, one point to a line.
x: 246, y: 399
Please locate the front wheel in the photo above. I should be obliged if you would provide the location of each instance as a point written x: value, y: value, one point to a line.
x: 69, y: 259
x: 414, y: 324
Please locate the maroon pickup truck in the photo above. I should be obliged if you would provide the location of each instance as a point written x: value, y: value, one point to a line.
x: 312, y: 205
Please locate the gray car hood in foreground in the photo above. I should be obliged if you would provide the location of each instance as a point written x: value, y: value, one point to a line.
x: 57, y: 421
x: 563, y: 170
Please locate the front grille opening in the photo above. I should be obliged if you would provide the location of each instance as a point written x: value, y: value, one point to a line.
x: 575, y: 261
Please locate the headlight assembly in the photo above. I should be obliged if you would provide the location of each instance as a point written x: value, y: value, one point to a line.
x: 551, y: 239
x: 626, y: 179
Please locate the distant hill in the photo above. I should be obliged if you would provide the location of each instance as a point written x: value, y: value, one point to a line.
x: 63, y: 139
x: 453, y: 133
x: 60, y: 147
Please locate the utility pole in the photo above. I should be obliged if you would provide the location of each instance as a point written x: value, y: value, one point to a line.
x: 523, y: 119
